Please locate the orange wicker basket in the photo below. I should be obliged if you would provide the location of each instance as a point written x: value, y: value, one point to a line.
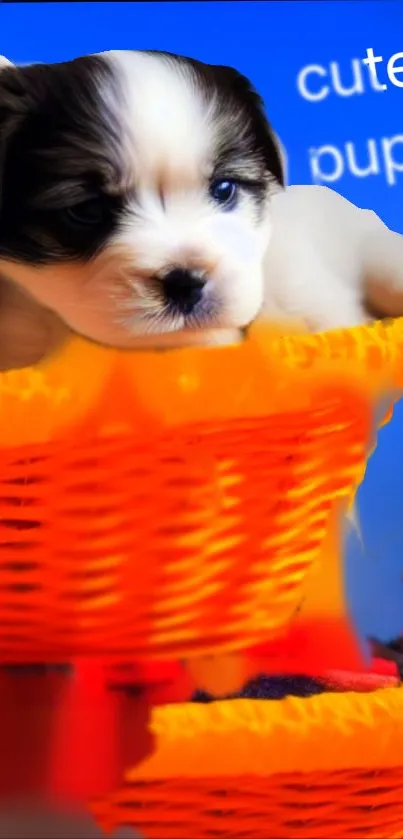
x: 322, y: 767
x: 157, y: 507
x: 170, y: 504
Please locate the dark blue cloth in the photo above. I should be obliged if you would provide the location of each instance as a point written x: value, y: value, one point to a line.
x: 272, y: 687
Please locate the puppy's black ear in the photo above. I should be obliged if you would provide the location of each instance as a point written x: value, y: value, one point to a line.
x: 13, y: 109
x: 243, y: 89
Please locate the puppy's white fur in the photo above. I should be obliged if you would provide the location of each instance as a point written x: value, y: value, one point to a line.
x: 330, y: 264
x: 168, y: 132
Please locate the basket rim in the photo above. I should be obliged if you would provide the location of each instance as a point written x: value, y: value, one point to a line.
x: 328, y: 732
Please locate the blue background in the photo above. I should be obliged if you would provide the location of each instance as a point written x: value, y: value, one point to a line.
x: 270, y: 43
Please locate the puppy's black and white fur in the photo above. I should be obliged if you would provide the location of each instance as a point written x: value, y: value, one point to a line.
x: 135, y: 193
x: 142, y: 202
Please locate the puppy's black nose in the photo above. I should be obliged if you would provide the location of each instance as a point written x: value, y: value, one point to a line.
x: 183, y: 288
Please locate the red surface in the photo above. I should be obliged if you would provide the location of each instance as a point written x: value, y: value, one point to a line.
x: 68, y: 736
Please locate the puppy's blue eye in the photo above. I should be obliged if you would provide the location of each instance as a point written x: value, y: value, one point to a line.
x: 86, y: 214
x: 225, y: 193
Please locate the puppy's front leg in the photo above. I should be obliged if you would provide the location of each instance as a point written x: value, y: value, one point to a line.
x: 303, y: 287
x: 28, y: 332
x: 382, y: 254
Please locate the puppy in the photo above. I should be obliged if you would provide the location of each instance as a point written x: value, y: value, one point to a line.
x: 142, y: 202
x: 135, y: 195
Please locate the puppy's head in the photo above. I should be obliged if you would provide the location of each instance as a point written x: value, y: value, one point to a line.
x: 135, y: 193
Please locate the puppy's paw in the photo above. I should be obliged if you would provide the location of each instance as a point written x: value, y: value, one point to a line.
x: 28, y: 332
